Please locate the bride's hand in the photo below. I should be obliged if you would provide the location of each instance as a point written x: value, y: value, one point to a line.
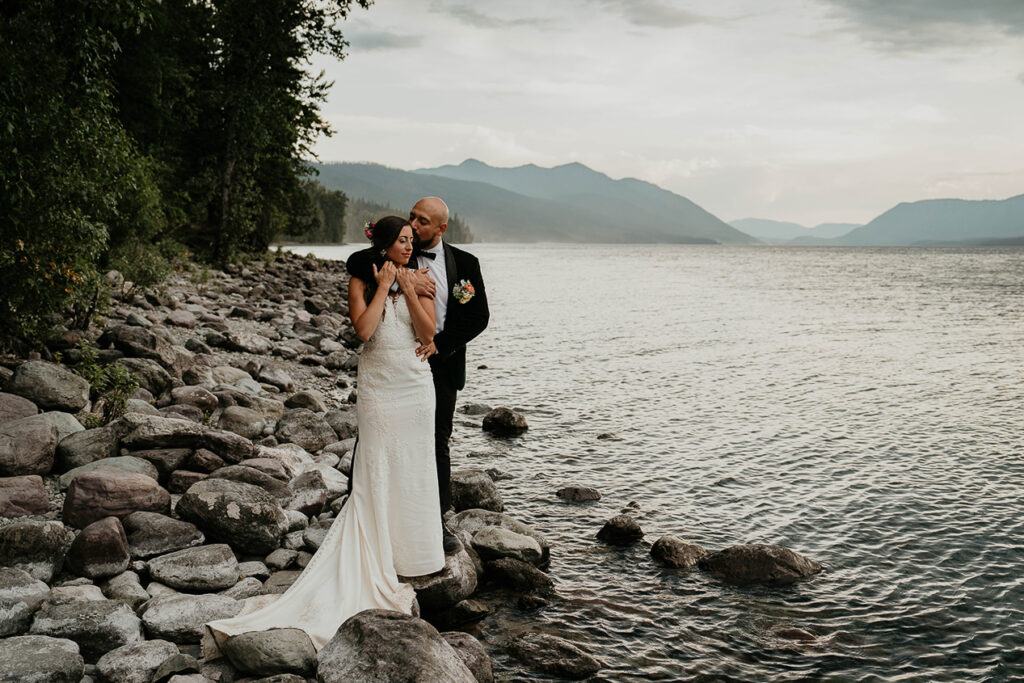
x: 406, y: 280
x: 386, y: 275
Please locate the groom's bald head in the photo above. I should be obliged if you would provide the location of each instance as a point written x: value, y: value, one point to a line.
x: 429, y: 219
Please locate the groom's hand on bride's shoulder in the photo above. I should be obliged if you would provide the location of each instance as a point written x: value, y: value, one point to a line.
x: 424, y: 283
x: 425, y: 351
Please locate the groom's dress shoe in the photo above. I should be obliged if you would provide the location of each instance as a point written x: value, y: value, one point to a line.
x: 449, y: 541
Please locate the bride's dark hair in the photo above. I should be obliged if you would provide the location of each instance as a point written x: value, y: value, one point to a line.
x: 383, y: 234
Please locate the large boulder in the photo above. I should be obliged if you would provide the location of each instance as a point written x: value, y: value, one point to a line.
x: 242, y: 421
x: 343, y: 422
x: 673, y: 551
x: 201, y: 398
x: 493, y: 542
x: 100, y: 551
x: 381, y: 645
x: 758, y: 564
x: 141, y: 432
x: 201, y: 569
x: 517, y: 575
x: 138, y: 342
x: 13, y: 407
x: 50, y: 386
x: 249, y: 475
x: 309, y: 493
x: 620, y: 530
x: 504, y: 422
x: 244, y: 516
x: 469, y: 522
x: 125, y: 463
x: 475, y: 489
x: 166, y: 460
x: 38, y: 548
x: 19, y: 586
x: 98, y: 626
x: 151, y: 375
x: 180, y: 618
x: 305, y: 428
x: 136, y: 662
x: 107, y: 492
x: 23, y: 495
x: 27, y: 446
x: 151, y: 534
x: 272, y: 652
x: 553, y: 655
x: 82, y: 448
x: 66, y: 423
x: 40, y: 659
x: 454, y: 583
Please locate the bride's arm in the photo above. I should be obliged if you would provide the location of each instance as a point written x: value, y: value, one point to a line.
x: 421, y: 308
x: 365, y: 318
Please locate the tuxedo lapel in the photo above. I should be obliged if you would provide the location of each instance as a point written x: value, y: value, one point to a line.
x: 451, y: 272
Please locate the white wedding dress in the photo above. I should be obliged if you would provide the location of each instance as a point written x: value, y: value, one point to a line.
x: 390, y: 525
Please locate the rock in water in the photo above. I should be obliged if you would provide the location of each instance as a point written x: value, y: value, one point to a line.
x: 578, y: 494
x: 101, y: 550
x: 381, y: 645
x: 98, y: 626
x: 241, y: 515
x: 517, y: 575
x: 451, y: 585
x: 554, y: 655
x: 40, y: 659
x: 475, y: 489
x: 38, y: 548
x: 49, y: 386
x: 472, y: 654
x: 759, y: 564
x: 472, y: 521
x: 504, y: 422
x: 673, y: 551
x: 206, y: 568
x: 135, y: 663
x: 620, y: 530
x: 272, y: 652
x: 24, y: 495
x: 493, y: 542
x: 112, y: 493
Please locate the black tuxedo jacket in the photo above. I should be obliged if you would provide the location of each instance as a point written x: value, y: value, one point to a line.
x: 462, y: 322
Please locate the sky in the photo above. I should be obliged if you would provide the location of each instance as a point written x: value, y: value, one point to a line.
x: 809, y: 111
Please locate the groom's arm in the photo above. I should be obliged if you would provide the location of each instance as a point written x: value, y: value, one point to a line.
x: 461, y: 329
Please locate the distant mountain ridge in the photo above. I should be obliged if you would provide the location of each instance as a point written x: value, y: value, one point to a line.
x: 786, y: 232
x: 570, y: 203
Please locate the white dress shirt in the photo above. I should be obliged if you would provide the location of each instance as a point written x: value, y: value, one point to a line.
x: 439, y: 273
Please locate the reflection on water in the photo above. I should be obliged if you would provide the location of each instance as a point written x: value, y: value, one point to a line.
x: 862, y: 406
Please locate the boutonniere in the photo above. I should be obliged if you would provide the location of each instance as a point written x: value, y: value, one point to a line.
x: 463, y: 291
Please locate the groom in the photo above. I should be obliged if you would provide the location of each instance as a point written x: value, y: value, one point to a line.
x: 460, y: 308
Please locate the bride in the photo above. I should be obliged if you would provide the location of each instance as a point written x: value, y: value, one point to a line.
x: 389, y: 525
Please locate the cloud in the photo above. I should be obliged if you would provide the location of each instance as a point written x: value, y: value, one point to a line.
x: 926, y: 25
x: 654, y: 13
x: 471, y: 16
x: 366, y: 41
x: 1020, y: 77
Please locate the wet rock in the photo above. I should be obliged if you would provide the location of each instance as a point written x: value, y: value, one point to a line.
x: 135, y: 663
x: 308, y: 493
x: 242, y: 421
x: 472, y: 521
x: 195, y: 396
x: 101, y: 550
x: 758, y: 564
x: 553, y: 655
x: 529, y: 601
x: 578, y: 494
x: 13, y: 407
x: 125, y: 463
x: 90, y: 445
x: 180, y: 618
x: 15, y: 619
x: 472, y: 654
x: 272, y: 652
x: 517, y: 575
x: 453, y: 584
x: 493, y: 542
x: 27, y: 446
x: 38, y: 548
x: 205, y: 568
x: 19, y: 586
x: 381, y: 645
x: 23, y: 495
x: 108, y: 492
x: 242, y: 515
x: 40, y: 659
x: 305, y: 428
x: 459, y: 614
x: 126, y: 588
x: 310, y: 400
x: 673, y: 551
x: 475, y: 489
x: 49, y: 386
x: 98, y: 626
x: 504, y: 422
x: 248, y: 475
x: 620, y: 530
x: 151, y: 534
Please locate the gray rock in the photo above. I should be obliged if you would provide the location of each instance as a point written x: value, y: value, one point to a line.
x: 471, y: 521
x: 125, y: 463
x: 135, y: 663
x: 151, y: 375
x: 107, y: 492
x: 267, y: 466
x: 278, y: 377
x: 180, y: 618
x: 195, y: 396
x: 474, y: 489
x: 166, y: 460
x: 23, y: 495
x: 758, y: 564
x: 182, y: 412
x: 249, y: 475
x: 84, y: 447
x: 151, y: 534
x: 40, y: 659
x: 181, y: 318
x: 38, y: 548
x: 180, y: 668
x: 494, y: 542
x: 126, y: 588
x: 343, y: 422
x: 140, y: 343
x: 242, y: 515
x: 100, y: 551
x: 272, y: 652
x: 673, y: 551
x: 553, y: 655
x: 206, y: 568
x: 66, y: 423
x: 313, y: 537
x: 472, y: 654
x: 135, y: 405
x: 578, y: 494
x: 242, y: 421
x: 381, y: 645
x: 98, y: 626
x: 245, y: 588
x: 517, y: 575
x: 309, y: 493
x: 17, y: 586
x: 248, y: 342
x: 69, y: 592
x: 281, y: 581
x: 460, y: 614
x: 225, y: 374
x: 454, y: 583
x: 474, y: 409
x: 504, y: 422
x: 254, y: 569
x: 141, y: 432
x: 620, y: 530
x: 15, y: 618
x: 49, y: 386
x: 310, y: 400
x: 282, y: 558
x: 14, y: 407
x: 305, y: 428
x: 27, y: 446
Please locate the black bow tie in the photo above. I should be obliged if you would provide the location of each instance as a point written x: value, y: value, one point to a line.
x: 427, y: 254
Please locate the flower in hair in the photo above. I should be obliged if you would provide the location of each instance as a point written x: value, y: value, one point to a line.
x: 368, y: 229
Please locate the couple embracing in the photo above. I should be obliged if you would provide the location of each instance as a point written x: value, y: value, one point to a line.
x: 416, y: 301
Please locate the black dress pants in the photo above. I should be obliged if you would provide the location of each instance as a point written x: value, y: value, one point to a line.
x: 444, y: 412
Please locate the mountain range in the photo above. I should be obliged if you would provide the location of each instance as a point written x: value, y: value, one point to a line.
x: 784, y: 232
